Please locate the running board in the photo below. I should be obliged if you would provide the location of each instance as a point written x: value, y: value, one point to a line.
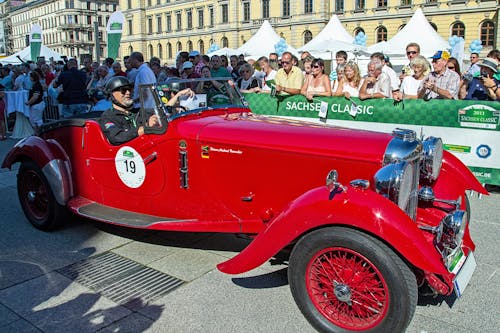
x: 116, y: 216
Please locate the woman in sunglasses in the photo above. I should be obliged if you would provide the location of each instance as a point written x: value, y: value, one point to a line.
x: 317, y: 83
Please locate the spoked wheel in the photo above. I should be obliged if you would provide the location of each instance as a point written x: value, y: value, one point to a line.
x: 347, y: 281
x: 36, y: 198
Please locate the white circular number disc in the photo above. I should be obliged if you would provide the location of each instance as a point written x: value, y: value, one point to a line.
x: 130, y: 167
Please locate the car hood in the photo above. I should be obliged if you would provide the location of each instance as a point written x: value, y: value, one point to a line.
x: 258, y: 131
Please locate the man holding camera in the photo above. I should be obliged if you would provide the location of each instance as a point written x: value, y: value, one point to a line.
x: 484, y: 87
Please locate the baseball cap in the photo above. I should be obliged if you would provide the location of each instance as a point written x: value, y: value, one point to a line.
x: 490, y: 63
x: 441, y: 54
x: 187, y: 64
x: 194, y: 53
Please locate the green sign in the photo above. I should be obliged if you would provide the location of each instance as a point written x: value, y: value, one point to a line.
x: 469, y: 129
x: 478, y: 116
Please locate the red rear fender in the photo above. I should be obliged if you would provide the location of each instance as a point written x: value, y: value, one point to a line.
x: 360, y: 209
x: 50, y: 158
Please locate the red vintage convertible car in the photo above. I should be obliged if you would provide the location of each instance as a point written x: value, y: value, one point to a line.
x: 370, y: 218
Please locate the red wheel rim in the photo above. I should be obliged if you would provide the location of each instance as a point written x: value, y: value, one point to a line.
x: 34, y: 194
x: 347, y: 289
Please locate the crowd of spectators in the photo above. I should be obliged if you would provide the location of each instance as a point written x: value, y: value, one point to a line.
x: 78, y: 89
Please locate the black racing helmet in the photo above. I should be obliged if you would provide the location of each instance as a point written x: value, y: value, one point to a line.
x: 117, y: 82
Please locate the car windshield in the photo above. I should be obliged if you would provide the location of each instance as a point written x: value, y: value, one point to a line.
x: 209, y: 93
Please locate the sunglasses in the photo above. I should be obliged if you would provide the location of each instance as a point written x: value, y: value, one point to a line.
x: 411, y: 52
x: 316, y: 66
x: 285, y: 62
x: 451, y: 67
x: 123, y: 90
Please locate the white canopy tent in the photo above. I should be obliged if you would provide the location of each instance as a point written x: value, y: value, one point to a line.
x: 25, y: 55
x: 417, y: 30
x: 331, y: 39
x: 262, y: 43
x: 224, y: 51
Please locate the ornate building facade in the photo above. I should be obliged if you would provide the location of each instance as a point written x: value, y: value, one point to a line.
x: 162, y: 28
x: 75, y: 28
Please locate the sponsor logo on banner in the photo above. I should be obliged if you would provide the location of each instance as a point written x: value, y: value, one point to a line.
x: 483, y: 151
x: 479, y: 116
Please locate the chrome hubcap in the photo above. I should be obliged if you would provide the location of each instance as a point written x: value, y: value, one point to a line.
x: 31, y: 196
x: 342, y: 292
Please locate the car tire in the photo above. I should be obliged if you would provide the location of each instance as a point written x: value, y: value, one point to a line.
x: 37, y: 199
x: 344, y: 280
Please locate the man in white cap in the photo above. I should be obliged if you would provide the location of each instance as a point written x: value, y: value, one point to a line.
x: 194, y: 57
x: 187, y: 71
x: 485, y: 87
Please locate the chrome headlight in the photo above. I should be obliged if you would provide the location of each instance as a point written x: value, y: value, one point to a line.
x: 395, y: 181
x: 454, y: 225
x: 403, y: 147
x: 432, y: 159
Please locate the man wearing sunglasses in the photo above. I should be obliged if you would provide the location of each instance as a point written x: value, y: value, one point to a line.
x: 119, y: 124
x: 289, y: 78
x: 412, y: 51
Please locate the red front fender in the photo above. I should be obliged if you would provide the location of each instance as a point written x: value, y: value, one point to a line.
x: 361, y: 209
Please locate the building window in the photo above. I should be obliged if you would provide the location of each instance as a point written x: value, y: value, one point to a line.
x: 286, y: 8
x: 339, y: 6
x: 381, y: 34
x: 201, y: 47
x: 434, y: 26
x: 358, y: 30
x: 189, y: 46
x: 200, y: 18
x: 225, y: 13
x: 458, y: 29
x: 160, y: 51
x: 169, y: 51
x: 189, y: 15
x: 179, y: 21
x: 246, y: 11
x: 150, y: 50
x: 487, y: 33
x: 169, y: 23
x: 401, y: 27
x: 224, y: 41
x: 211, y: 16
x: 405, y: 3
x: 265, y: 9
x: 308, y: 6
x: 150, y: 25
x: 382, y: 3
x: 179, y: 46
x: 359, y: 5
x: 158, y: 23
x: 308, y: 36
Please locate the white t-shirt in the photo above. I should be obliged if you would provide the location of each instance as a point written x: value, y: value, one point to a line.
x: 410, y: 85
x: 268, y: 77
x: 392, y: 75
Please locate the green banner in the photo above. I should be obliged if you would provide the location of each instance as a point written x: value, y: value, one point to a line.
x: 469, y: 129
x: 35, y: 40
x: 114, y: 33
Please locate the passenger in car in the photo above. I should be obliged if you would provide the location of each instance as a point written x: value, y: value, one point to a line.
x: 118, y: 124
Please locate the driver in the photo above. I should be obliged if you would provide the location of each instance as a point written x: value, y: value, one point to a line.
x: 118, y: 124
